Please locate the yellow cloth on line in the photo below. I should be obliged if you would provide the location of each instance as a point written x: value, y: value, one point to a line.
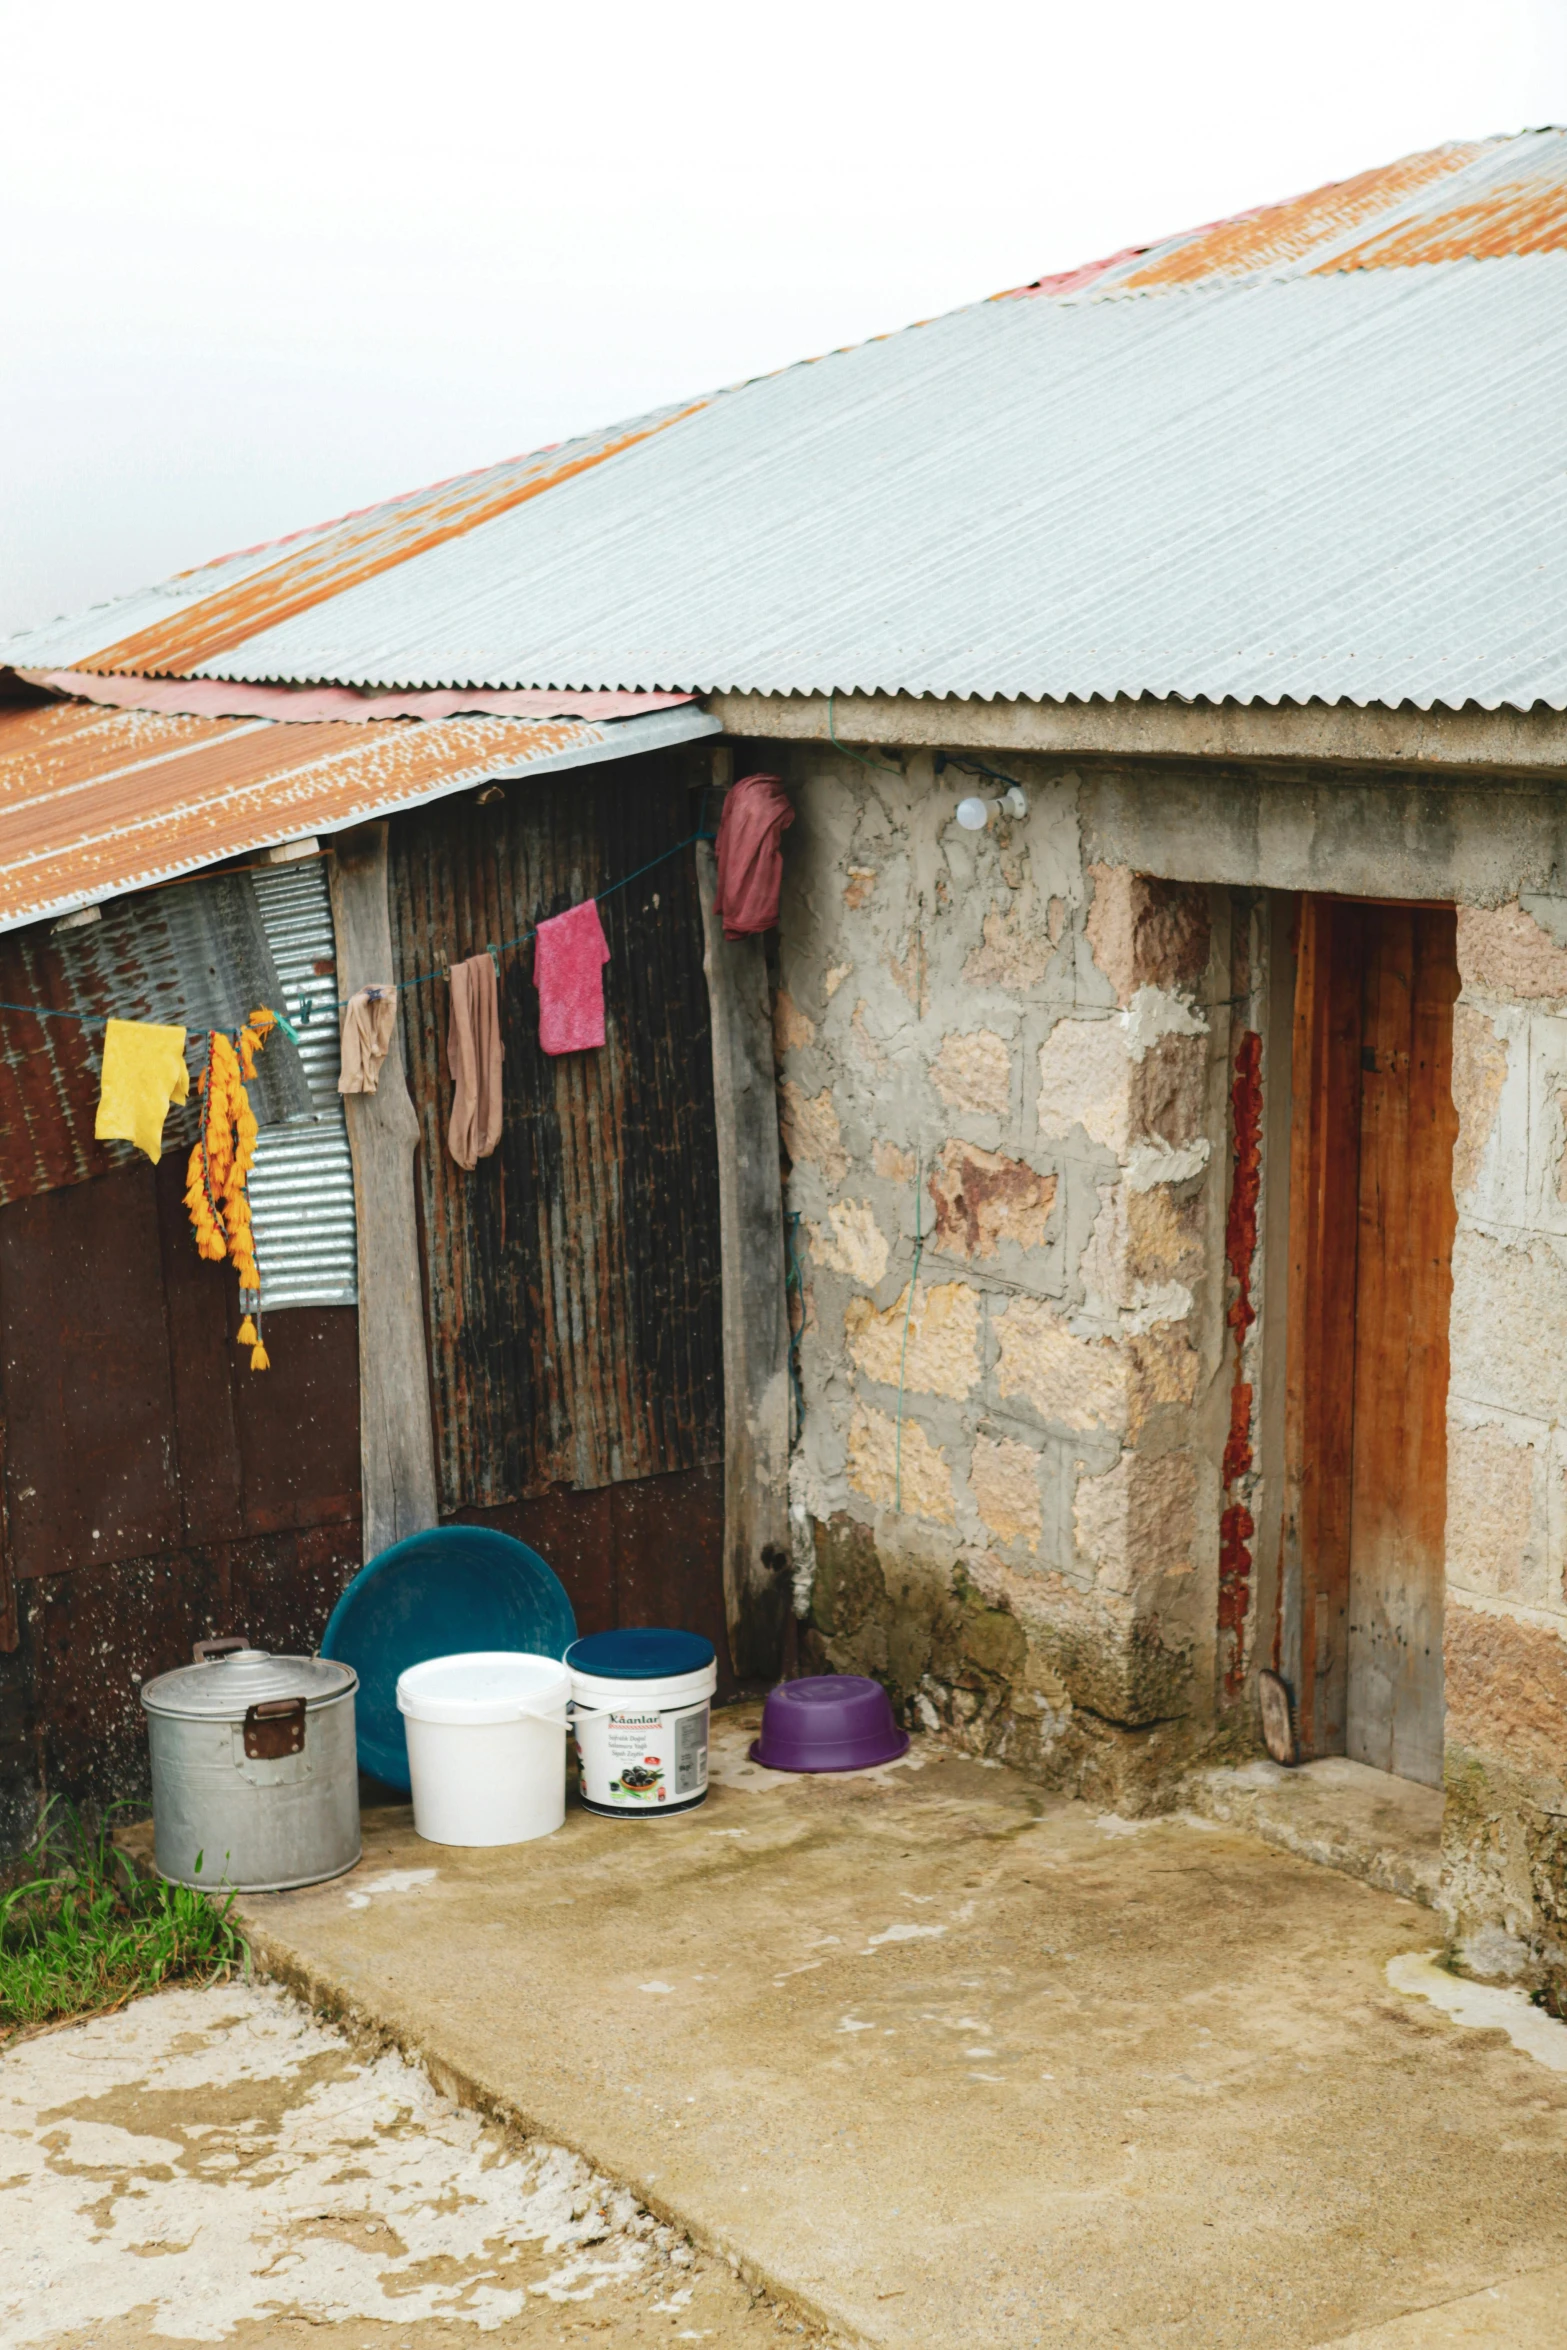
x: 143, y: 1072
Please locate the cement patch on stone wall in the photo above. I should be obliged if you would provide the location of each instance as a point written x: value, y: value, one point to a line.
x: 1084, y: 1071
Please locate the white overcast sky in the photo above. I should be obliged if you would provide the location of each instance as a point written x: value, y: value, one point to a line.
x: 263, y: 265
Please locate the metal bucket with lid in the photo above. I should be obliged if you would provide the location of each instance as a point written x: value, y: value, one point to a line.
x: 255, y: 1773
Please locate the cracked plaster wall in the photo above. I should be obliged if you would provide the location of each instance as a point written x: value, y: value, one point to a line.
x: 1017, y: 1057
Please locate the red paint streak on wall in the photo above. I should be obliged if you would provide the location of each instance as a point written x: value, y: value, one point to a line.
x: 1236, y: 1525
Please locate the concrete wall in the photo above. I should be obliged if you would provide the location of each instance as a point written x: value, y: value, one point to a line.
x: 1018, y: 1061
x: 1506, y: 1621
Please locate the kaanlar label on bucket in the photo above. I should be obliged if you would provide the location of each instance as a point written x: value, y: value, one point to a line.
x: 636, y: 1757
x: 656, y: 1758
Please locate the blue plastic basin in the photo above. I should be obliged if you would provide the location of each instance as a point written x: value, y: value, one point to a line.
x: 445, y: 1593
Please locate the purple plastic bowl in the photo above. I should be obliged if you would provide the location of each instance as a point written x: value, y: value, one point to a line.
x: 833, y: 1722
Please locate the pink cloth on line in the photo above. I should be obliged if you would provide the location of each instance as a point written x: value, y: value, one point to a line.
x: 569, y: 955
x: 750, y: 859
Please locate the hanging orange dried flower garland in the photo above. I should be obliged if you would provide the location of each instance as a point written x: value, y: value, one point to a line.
x: 215, y: 1191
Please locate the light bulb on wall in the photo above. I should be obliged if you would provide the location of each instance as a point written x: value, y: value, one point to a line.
x: 973, y: 814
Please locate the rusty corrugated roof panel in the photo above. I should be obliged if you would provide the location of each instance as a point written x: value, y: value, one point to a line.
x: 1475, y: 200
x: 1280, y: 235
x: 94, y: 803
x: 1515, y: 216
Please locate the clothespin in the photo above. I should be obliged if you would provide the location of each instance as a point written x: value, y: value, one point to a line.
x: 494, y: 954
x: 287, y: 1026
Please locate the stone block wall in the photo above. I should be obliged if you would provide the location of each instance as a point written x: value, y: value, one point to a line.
x: 1506, y: 1619
x: 1009, y: 1067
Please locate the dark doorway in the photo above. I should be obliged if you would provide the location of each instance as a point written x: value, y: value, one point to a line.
x: 1371, y: 1239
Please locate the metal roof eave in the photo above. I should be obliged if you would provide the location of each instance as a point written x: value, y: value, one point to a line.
x: 628, y: 739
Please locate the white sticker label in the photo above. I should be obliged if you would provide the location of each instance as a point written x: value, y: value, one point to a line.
x: 637, y: 1761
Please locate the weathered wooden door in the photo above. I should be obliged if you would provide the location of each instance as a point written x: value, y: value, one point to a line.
x: 1372, y: 1220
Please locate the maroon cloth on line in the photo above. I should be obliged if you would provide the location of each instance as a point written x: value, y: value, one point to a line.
x: 569, y: 955
x: 750, y: 859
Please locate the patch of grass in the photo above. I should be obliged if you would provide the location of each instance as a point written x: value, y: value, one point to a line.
x: 83, y: 1933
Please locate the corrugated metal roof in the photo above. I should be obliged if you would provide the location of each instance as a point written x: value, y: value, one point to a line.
x: 1314, y: 451
x: 298, y: 705
x: 94, y: 803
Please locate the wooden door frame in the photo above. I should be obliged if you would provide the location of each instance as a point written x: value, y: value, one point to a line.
x: 1320, y: 1313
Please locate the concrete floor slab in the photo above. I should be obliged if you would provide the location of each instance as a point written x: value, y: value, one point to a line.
x: 1338, y: 1813
x: 1519, y: 2311
x: 949, y: 2061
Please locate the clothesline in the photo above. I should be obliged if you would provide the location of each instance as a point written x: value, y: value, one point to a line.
x: 309, y: 1005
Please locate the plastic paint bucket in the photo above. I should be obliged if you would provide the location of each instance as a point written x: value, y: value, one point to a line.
x: 486, y: 1746
x: 640, y: 1703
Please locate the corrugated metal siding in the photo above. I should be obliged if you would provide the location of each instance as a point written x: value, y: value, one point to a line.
x: 198, y: 955
x: 302, y: 1184
x: 48, y: 1077
x: 572, y: 1278
x: 155, y: 1489
x: 193, y: 955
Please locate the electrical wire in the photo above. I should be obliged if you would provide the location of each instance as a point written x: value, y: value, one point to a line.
x: 310, y: 1005
x: 880, y: 765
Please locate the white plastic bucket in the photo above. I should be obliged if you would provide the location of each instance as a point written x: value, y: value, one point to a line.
x: 486, y: 1746
x: 643, y: 1742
